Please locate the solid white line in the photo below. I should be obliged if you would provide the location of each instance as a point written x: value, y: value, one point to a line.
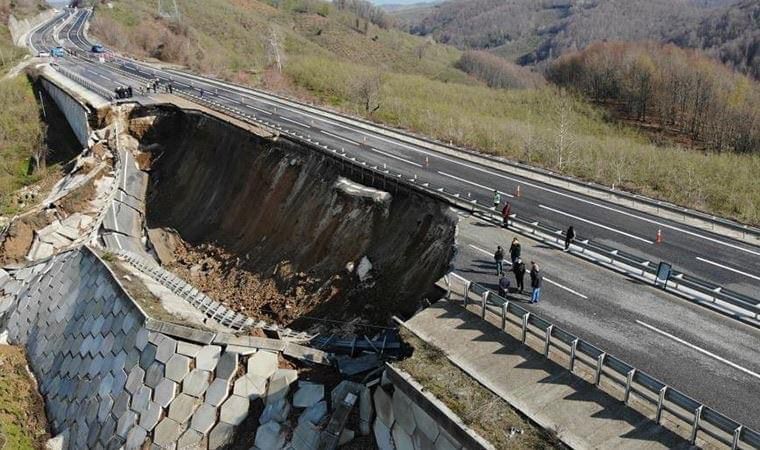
x: 474, y: 184
x: 395, y: 157
x: 339, y: 137
x: 294, y: 121
x: 729, y: 268
x: 699, y: 349
x: 596, y: 224
x: 574, y: 292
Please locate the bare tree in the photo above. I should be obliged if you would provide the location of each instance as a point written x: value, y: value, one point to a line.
x: 367, y: 91
x: 564, y: 141
x: 275, y: 48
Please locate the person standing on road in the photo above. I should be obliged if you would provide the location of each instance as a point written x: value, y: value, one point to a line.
x: 515, y: 250
x: 496, y: 199
x: 503, y: 286
x: 518, y: 267
x: 569, y: 237
x: 499, y: 258
x: 536, y: 280
x: 505, y: 213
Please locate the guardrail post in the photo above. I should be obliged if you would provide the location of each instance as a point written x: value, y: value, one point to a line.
x: 525, y: 318
x: 695, y: 425
x: 547, y: 340
x: 504, y: 309
x: 660, y: 402
x: 599, y: 366
x: 573, y: 350
x: 628, y: 382
x: 483, y: 304
x: 737, y: 436
x: 466, y: 292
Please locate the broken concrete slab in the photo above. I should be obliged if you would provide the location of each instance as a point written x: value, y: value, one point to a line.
x: 383, y: 437
x: 250, y: 386
x: 308, y: 394
x: 277, y: 411
x: 314, y: 413
x: 278, y: 388
x: 306, y: 436
x: 384, y: 407
x: 234, y: 410
x: 262, y: 364
x: 354, y: 366
x: 269, y: 437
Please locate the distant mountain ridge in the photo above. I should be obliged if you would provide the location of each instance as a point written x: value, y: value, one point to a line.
x: 532, y: 31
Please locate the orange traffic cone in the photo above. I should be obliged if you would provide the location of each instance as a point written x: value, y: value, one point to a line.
x: 659, y: 236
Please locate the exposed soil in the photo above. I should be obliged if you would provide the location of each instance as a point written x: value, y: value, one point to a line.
x: 272, y: 230
x: 18, y: 239
x: 23, y: 424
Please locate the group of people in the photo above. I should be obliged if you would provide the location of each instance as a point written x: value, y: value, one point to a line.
x: 518, y: 268
x: 123, y: 92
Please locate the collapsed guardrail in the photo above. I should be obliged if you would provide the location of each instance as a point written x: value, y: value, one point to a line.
x: 633, y: 381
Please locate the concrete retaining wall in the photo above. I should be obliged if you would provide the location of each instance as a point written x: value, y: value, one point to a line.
x: 109, y: 381
x: 410, y: 418
x: 77, y: 114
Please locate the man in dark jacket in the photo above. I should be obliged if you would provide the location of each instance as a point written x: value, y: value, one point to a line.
x: 503, y: 286
x: 519, y: 269
x: 569, y: 237
x: 505, y: 213
x: 499, y: 258
x: 536, y: 281
x: 515, y: 250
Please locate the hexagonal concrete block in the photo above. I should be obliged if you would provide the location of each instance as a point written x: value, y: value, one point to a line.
x: 401, y: 438
x: 150, y: 416
x: 188, y: 349
x: 263, y: 364
x: 135, y: 380
x: 147, y: 356
x: 135, y: 438
x: 250, y: 386
x: 196, y: 382
x: 425, y: 424
x: 121, y: 404
x: 220, y: 436
x: 166, y: 349
x: 141, y: 338
x: 204, y: 418
x: 190, y: 439
x: 402, y: 411
x: 177, y: 367
x: 277, y: 389
x: 207, y: 357
x: 182, y: 408
x: 125, y: 423
x: 154, y: 374
x: 227, y: 365
x: 234, y: 410
x: 104, y: 410
x: 217, y: 392
x: 166, y: 433
x: 384, y: 407
x: 141, y: 399
x: 165, y: 392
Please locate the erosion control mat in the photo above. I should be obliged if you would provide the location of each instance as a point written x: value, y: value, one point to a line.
x: 272, y: 229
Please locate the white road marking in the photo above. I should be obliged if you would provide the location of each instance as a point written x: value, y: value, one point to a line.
x: 395, y: 157
x: 729, y: 268
x: 574, y: 292
x: 261, y: 110
x: 339, y: 137
x: 293, y: 121
x: 699, y: 349
x: 474, y: 184
x: 566, y: 288
x: 596, y: 224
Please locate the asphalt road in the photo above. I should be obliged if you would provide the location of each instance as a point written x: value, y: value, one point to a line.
x: 706, y: 355
x: 730, y: 263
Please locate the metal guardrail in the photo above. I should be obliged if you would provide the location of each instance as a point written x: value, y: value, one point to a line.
x: 665, y: 398
x: 101, y: 91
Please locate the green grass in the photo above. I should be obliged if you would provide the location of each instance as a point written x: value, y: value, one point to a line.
x: 22, y: 419
x: 21, y: 132
x: 324, y: 56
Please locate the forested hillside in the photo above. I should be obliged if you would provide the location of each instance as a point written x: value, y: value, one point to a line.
x: 342, y: 55
x: 532, y: 31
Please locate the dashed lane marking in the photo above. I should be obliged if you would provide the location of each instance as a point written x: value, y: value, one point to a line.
x: 632, y: 236
x: 474, y: 184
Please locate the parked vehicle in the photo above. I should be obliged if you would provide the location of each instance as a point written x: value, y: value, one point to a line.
x: 58, y: 52
x: 97, y: 48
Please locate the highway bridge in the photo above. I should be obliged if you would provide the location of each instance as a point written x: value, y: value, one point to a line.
x: 704, y: 352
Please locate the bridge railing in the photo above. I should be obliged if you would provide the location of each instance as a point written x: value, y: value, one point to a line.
x: 605, y: 366
x: 94, y: 87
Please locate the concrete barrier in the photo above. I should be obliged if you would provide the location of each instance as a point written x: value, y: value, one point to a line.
x: 76, y: 112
